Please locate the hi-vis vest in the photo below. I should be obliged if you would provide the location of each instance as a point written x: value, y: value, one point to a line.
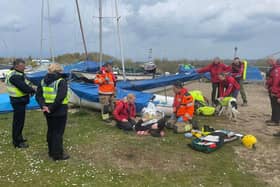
x: 12, y: 89
x: 50, y: 92
x: 106, y: 83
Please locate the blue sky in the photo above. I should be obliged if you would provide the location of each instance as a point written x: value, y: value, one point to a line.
x: 174, y: 29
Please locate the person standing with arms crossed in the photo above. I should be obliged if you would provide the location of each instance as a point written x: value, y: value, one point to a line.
x: 106, y: 90
x: 52, y: 96
x: 20, y: 91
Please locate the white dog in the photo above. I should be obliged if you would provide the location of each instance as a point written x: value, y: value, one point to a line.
x: 228, y: 106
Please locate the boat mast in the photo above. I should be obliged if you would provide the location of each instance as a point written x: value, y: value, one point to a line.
x: 82, y: 30
x: 50, y: 32
x: 100, y: 33
x: 119, y: 38
x: 42, y: 28
x: 235, y: 51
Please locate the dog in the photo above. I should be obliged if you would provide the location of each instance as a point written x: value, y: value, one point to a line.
x: 227, y: 106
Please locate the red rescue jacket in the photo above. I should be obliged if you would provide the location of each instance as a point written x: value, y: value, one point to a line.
x: 237, y: 70
x: 273, y: 82
x: 273, y: 79
x: 124, y: 110
x: 228, y: 86
x: 215, y: 70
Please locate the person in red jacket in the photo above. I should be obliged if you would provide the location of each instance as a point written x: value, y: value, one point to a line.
x: 273, y: 86
x: 237, y: 70
x: 125, y: 113
x: 183, y: 106
x: 229, y: 87
x: 215, y: 68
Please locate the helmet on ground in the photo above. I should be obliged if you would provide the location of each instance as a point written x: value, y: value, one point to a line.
x: 249, y: 141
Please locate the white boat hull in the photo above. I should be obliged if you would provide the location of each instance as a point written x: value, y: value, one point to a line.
x: 163, y: 103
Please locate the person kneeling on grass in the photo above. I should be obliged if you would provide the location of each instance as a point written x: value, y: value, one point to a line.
x: 183, y: 106
x: 125, y: 113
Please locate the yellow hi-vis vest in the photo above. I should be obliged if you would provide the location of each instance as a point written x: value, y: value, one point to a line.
x: 12, y: 89
x: 50, y: 92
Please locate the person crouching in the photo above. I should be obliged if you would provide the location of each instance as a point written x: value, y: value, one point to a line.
x: 52, y: 96
x: 125, y: 113
x: 183, y: 106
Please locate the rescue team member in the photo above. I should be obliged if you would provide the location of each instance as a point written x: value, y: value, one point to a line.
x: 273, y: 86
x: 53, y: 98
x: 237, y: 72
x: 20, y: 91
x: 215, y: 68
x: 125, y: 113
x: 183, y: 105
x: 228, y: 86
x: 107, y: 82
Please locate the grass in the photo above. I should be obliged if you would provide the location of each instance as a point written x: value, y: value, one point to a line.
x: 102, y: 155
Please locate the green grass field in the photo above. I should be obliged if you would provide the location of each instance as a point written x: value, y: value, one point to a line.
x: 103, y: 155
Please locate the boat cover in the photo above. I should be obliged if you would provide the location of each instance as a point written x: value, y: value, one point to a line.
x: 87, y: 66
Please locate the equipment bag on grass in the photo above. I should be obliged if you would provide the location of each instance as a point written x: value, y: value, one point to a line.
x: 213, y: 141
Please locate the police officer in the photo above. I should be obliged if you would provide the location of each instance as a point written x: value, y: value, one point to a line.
x: 19, y: 90
x: 52, y: 96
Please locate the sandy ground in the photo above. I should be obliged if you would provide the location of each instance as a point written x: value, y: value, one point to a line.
x: 2, y: 87
x: 264, y: 161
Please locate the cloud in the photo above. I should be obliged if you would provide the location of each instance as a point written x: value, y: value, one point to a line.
x: 173, y: 28
x: 12, y: 24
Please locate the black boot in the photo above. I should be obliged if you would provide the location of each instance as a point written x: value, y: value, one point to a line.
x: 62, y: 157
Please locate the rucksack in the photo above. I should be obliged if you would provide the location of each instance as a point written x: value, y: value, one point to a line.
x: 213, y: 141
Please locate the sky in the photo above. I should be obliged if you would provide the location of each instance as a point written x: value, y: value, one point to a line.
x: 173, y: 29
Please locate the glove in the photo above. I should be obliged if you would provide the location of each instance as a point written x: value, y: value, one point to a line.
x: 180, y: 119
x: 107, y: 79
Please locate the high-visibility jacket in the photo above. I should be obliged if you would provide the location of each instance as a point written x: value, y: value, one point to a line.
x: 12, y: 89
x: 50, y: 92
x: 106, y: 83
x: 185, y: 106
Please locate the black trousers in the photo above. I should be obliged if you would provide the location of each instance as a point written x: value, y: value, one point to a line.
x: 56, y: 127
x: 127, y: 126
x: 215, y: 92
x: 275, y: 106
x: 18, y: 122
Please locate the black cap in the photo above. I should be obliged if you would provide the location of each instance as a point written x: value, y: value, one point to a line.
x: 236, y: 58
x: 178, y: 84
x: 18, y: 61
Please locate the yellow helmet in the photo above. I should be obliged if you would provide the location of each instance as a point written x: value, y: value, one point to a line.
x: 249, y: 141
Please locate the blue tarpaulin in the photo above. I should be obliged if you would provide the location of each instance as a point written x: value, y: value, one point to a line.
x: 253, y: 74
x: 87, y: 66
x: 157, y: 82
x: 6, y: 107
x: 89, y: 92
